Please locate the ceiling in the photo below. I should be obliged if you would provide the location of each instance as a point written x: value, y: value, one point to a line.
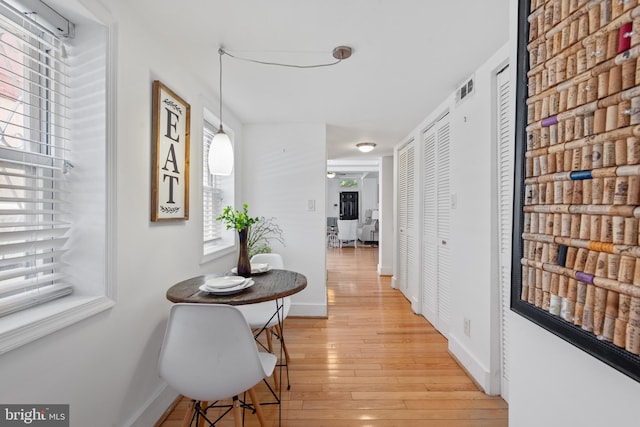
x: 408, y: 56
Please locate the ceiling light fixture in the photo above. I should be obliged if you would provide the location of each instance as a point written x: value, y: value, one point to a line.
x: 340, y: 53
x: 220, y: 150
x: 365, y: 147
x: 331, y: 174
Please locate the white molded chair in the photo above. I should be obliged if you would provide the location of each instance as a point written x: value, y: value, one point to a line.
x: 263, y: 315
x: 209, y: 354
x: 347, y: 231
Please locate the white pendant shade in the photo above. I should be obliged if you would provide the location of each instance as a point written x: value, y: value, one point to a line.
x: 220, y: 154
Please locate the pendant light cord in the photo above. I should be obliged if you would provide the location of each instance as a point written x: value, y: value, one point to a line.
x: 220, y: 53
x: 278, y: 64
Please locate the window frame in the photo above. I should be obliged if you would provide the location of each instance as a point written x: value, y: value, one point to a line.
x: 23, y: 327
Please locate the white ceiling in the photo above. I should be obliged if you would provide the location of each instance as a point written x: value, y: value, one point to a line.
x: 408, y: 56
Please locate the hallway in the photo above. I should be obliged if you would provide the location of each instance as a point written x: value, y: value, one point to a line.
x: 372, y: 362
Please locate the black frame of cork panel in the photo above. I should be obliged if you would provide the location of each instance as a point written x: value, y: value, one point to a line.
x: 537, y: 308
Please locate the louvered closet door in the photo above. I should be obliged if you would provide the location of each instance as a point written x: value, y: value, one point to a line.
x: 429, y: 226
x: 505, y: 200
x: 443, y: 227
x: 406, y: 218
x: 412, y: 286
x: 436, y: 195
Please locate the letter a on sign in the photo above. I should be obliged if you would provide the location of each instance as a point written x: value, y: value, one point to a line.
x: 170, y: 155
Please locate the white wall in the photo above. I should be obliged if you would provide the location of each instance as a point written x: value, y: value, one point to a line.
x: 552, y: 382
x: 386, y: 221
x: 472, y: 172
x: 105, y: 367
x: 285, y: 168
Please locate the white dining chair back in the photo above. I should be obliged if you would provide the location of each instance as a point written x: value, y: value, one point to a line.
x: 209, y: 353
x: 348, y: 231
x: 274, y: 260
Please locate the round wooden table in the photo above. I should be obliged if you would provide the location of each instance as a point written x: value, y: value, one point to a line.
x: 272, y: 285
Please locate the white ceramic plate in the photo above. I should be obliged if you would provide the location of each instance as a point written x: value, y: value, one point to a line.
x: 255, y: 268
x: 228, y: 291
x: 224, y: 282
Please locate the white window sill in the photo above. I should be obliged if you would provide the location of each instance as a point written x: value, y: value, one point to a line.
x: 26, y: 326
x: 212, y: 253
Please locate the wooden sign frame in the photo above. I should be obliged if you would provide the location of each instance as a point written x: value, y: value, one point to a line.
x: 170, y: 155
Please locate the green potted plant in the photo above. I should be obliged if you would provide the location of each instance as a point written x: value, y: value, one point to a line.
x: 241, y: 222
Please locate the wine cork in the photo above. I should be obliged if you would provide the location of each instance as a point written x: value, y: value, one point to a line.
x: 537, y: 298
x: 615, y: 80
x: 594, y: 19
x: 561, y: 68
x: 618, y: 230
x: 621, y: 190
x: 636, y: 274
x: 578, y: 127
x: 563, y: 283
x: 633, y: 339
x: 596, y: 191
x: 601, y: 265
x: 635, y: 35
x: 569, y: 127
x: 587, y: 157
x: 611, y: 46
x: 588, y: 124
x: 596, y: 155
x: 587, y: 192
x: 608, y: 328
x: 553, y: 134
x: 528, y: 167
x: 634, y: 312
x: 608, y: 190
x: 603, y: 83
x: 572, y: 255
x: 626, y: 269
x: 613, y: 261
x: 605, y: 13
x: 611, y: 122
x: 565, y: 225
x: 633, y: 190
x: 544, y: 79
x: 588, y: 308
x: 624, y: 118
x: 599, y: 310
x: 620, y: 148
x: 628, y: 74
x: 581, y: 297
x: 624, y: 307
x: 576, y: 198
x: 574, y: 231
x: 634, y: 111
x: 567, y: 192
x: 631, y: 232
x: 606, y: 229
x: 599, y: 120
x: 616, y: 8
x: 572, y: 97
x: 620, y: 333
x: 585, y: 227
x: 582, y: 93
x: 633, y: 150
x: 542, y: 194
x: 596, y: 222
x: 583, y: 27
x: 581, y: 259
x: 576, y: 162
x: 555, y: 305
x: 608, y: 154
x: 591, y: 263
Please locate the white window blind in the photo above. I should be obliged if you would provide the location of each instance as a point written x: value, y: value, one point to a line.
x: 212, y: 194
x: 34, y: 153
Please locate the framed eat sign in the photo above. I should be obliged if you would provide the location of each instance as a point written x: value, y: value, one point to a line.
x: 170, y: 156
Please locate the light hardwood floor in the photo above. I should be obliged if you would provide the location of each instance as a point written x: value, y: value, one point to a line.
x: 372, y: 362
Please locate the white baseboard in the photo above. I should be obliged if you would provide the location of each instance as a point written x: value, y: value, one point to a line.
x: 151, y: 412
x: 385, y: 270
x: 478, y: 371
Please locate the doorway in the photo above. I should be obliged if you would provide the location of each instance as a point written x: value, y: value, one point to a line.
x: 348, y: 205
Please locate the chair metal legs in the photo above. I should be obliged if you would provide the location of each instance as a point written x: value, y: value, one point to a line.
x: 197, y: 411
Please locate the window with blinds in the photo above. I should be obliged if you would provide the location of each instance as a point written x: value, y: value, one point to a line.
x: 213, y: 194
x: 34, y: 161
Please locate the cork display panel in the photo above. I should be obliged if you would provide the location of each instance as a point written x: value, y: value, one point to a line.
x: 577, y: 267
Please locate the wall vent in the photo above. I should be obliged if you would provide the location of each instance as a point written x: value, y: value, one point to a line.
x: 465, y: 91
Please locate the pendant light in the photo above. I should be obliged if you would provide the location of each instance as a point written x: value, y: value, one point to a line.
x: 220, y: 151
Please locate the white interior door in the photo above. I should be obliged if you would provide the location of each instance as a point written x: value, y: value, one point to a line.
x: 436, y: 199
x: 505, y: 209
x: 444, y: 229
x: 406, y: 217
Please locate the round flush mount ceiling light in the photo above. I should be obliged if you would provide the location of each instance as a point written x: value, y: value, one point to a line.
x: 365, y: 147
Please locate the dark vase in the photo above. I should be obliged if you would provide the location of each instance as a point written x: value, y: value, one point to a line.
x: 244, y: 265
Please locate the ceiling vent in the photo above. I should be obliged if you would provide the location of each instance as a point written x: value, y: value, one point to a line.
x: 465, y: 91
